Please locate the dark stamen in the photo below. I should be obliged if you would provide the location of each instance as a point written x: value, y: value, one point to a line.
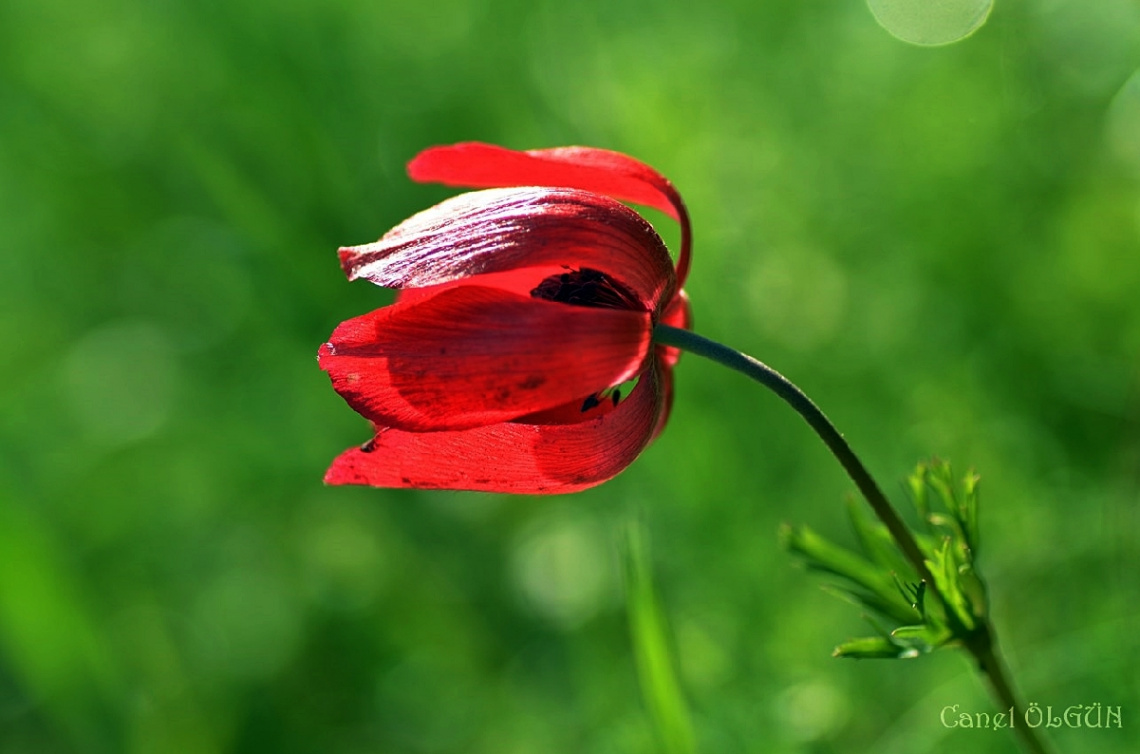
x: 587, y: 287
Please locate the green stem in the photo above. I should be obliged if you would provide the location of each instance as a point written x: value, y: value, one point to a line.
x: 983, y: 646
x: 980, y: 643
x: 805, y: 407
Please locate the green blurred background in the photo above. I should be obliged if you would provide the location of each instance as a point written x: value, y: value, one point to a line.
x: 940, y: 244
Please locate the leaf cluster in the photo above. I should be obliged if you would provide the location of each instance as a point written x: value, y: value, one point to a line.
x: 877, y: 577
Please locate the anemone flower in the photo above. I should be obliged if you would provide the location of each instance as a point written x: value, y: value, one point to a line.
x: 523, y: 312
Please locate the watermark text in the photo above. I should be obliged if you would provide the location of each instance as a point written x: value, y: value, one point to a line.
x: 1095, y: 715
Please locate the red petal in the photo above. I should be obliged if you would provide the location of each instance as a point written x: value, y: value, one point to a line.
x: 666, y: 401
x: 521, y: 281
x: 677, y: 314
x: 509, y: 457
x: 504, y: 229
x: 477, y: 165
x: 473, y: 355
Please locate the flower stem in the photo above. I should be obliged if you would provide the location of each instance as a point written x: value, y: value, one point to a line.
x: 980, y: 641
x: 805, y: 407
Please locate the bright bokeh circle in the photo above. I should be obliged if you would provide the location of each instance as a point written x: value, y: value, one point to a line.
x: 931, y: 22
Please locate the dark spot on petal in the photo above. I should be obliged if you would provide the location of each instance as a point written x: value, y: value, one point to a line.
x: 617, y: 395
x: 587, y: 287
x: 590, y: 403
x: 532, y: 382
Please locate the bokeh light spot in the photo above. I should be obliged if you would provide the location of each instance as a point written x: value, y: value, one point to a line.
x: 931, y: 22
x: 561, y: 568
x: 704, y: 653
x: 120, y: 381
x: 812, y: 709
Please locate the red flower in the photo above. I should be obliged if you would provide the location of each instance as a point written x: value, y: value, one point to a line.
x: 520, y: 310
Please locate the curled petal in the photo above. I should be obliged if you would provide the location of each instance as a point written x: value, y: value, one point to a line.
x: 478, y: 165
x: 677, y: 314
x: 503, y: 229
x: 473, y: 355
x: 666, y: 401
x: 509, y: 457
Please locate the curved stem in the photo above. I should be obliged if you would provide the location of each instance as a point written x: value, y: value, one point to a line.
x: 805, y: 407
x: 980, y: 641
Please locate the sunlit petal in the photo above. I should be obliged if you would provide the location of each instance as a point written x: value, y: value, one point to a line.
x: 502, y: 229
x: 478, y: 165
x: 472, y: 355
x: 509, y: 457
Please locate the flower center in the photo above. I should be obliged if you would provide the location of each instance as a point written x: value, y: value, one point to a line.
x: 587, y: 287
x: 590, y: 287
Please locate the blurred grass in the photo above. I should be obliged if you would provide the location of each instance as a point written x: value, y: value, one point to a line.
x: 653, y: 646
x: 941, y: 245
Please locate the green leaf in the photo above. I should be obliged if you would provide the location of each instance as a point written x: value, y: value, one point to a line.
x: 969, y: 514
x: 948, y: 522
x: 930, y: 637
x: 916, y: 482
x: 895, y: 608
x: 823, y: 555
x: 913, y: 595
x: 874, y: 647
x: 941, y: 480
x: 944, y: 569
x: 974, y: 590
x: 882, y: 582
x: 876, y: 541
x: 656, y: 664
